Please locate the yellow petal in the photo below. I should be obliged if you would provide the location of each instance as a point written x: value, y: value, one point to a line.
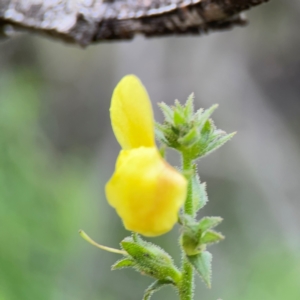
x: 146, y: 192
x: 131, y: 114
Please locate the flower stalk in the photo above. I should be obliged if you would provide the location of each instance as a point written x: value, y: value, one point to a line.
x: 186, y: 288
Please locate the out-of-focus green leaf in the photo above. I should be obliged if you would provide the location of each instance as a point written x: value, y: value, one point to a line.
x: 211, y: 237
x: 202, y: 264
x: 154, y: 287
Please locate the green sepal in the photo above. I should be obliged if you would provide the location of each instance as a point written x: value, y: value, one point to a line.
x: 167, y: 112
x: 179, y: 117
x: 159, y: 133
x: 209, y: 128
x: 154, y: 287
x: 207, y: 223
x: 190, y: 239
x: 211, y: 237
x: 201, y: 116
x: 189, y: 107
x: 218, y: 142
x: 190, y: 138
x: 196, y: 235
x: 208, y: 133
x: 167, y: 134
x: 209, y: 142
x: 123, y: 263
x: 202, y: 264
x: 162, y: 151
x: 188, y: 132
x: 150, y: 259
x: 199, y: 194
x: 190, y: 245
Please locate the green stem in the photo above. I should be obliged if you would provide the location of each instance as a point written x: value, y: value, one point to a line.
x: 186, y: 287
x: 188, y: 168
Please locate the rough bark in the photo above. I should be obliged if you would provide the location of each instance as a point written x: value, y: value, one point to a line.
x: 87, y: 21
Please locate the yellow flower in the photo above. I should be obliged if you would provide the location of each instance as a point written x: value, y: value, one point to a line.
x: 145, y: 190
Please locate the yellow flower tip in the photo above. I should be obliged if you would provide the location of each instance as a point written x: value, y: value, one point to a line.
x: 146, y: 192
x: 131, y: 114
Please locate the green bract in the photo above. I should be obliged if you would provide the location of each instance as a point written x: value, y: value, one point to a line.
x: 189, y: 132
x: 149, y: 259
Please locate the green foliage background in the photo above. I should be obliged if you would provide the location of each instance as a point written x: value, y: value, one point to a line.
x: 39, y: 201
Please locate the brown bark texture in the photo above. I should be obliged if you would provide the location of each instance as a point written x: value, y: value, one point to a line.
x: 88, y: 21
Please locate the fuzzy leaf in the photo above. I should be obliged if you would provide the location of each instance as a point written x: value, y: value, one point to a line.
x: 207, y: 128
x: 205, y: 116
x: 196, y: 192
x: 150, y: 259
x: 218, y: 143
x: 216, y: 134
x: 197, y: 115
x: 162, y: 151
x: 203, y: 195
x: 123, y: 263
x: 202, y: 264
x: 190, y: 239
x: 211, y: 237
x: 159, y: 133
x: 154, y: 287
x: 178, y: 106
x: 190, y: 138
x: 179, y: 118
x: 134, y: 249
x: 167, y: 112
x: 189, y: 107
x: 199, y: 194
x: 209, y: 222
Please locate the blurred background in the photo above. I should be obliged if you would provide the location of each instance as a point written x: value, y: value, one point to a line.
x: 57, y: 151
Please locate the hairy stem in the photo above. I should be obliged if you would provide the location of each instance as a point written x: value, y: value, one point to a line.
x: 186, y: 287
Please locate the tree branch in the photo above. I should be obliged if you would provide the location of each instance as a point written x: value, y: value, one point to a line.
x: 87, y: 21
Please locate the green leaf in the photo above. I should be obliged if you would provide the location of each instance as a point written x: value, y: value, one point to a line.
x: 179, y: 115
x: 179, y: 118
x: 216, y: 134
x: 190, y: 239
x: 159, y: 133
x: 150, y: 259
x: 207, y: 128
x: 167, y: 112
x: 154, y: 287
x: 211, y: 236
x: 190, y: 138
x: 123, y: 263
x: 178, y: 106
x: 202, y: 264
x: 162, y: 151
x: 196, y: 192
x: 199, y: 194
x: 218, y: 143
x: 198, y: 115
x: 133, y: 248
x: 205, y: 116
x: 203, y: 195
x: 209, y: 222
x: 159, y: 126
x: 189, y: 107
